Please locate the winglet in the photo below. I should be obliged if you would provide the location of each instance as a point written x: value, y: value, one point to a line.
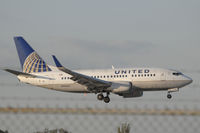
x: 56, y: 61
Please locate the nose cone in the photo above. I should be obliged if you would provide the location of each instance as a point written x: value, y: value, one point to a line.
x: 187, y: 80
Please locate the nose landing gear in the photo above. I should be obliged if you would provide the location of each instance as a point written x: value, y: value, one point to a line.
x: 106, y: 99
x: 169, y: 96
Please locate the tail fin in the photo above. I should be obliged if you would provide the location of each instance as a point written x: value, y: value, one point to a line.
x: 29, y: 59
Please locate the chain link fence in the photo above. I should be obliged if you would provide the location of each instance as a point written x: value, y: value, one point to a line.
x: 86, y: 116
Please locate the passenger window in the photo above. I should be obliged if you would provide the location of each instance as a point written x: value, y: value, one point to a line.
x: 135, y: 75
x: 107, y: 76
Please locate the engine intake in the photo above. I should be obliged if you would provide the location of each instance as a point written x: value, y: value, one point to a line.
x: 121, y: 87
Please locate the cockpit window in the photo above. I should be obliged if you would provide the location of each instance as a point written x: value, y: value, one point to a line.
x: 177, y: 73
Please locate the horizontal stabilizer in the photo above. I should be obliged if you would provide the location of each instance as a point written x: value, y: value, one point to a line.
x: 27, y: 75
x: 20, y: 73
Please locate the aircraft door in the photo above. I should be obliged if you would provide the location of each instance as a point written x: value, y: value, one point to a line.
x: 163, y: 76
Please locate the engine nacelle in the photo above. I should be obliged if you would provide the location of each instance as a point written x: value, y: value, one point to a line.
x: 120, y: 87
x: 133, y: 93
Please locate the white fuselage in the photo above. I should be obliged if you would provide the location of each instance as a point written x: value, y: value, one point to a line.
x: 146, y: 79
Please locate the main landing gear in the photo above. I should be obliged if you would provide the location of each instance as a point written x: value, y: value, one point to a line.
x: 106, y: 99
x: 100, y: 96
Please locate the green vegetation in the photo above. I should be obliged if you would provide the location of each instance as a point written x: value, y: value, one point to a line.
x: 3, y: 131
x: 125, y: 128
x: 54, y: 131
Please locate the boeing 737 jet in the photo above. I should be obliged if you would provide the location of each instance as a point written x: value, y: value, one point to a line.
x: 125, y: 82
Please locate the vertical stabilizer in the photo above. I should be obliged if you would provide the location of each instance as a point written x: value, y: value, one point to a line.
x: 29, y: 59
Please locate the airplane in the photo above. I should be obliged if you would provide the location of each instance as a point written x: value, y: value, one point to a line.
x: 125, y: 82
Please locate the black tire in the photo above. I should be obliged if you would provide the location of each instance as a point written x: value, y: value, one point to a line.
x: 106, y: 99
x: 169, y: 96
x: 100, y: 97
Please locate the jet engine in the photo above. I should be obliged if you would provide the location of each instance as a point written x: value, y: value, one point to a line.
x: 133, y: 93
x: 120, y: 87
x: 125, y: 89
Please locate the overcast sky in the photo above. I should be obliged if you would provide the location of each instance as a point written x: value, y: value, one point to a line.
x: 89, y: 34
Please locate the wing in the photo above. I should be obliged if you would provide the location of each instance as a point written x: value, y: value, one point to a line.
x: 92, y: 84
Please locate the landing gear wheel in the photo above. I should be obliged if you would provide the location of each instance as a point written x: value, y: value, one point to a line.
x: 169, y: 96
x: 106, y: 99
x: 100, y: 96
